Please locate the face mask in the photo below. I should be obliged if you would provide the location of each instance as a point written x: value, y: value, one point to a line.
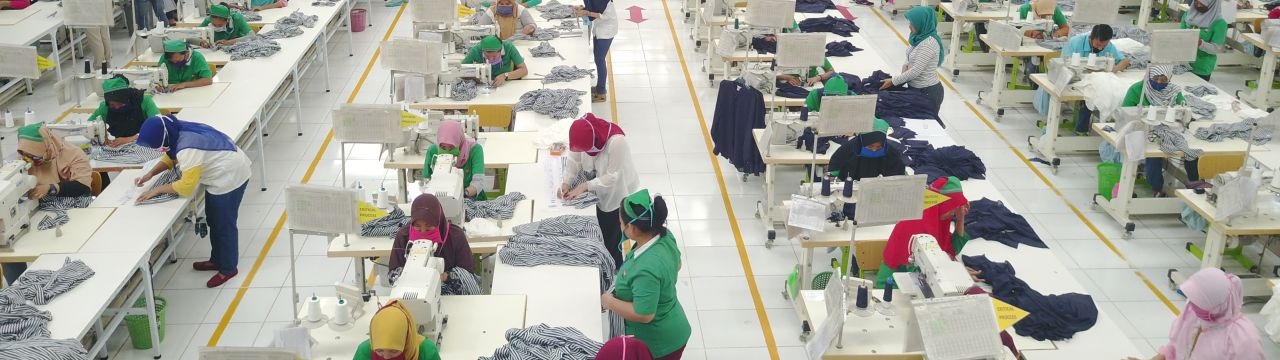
x: 1202, y: 314
x: 505, y: 10
x: 872, y: 154
x: 1158, y: 86
x: 182, y: 63
x: 432, y: 235
x: 495, y: 61
x: 35, y: 161
x: 379, y: 357
x: 220, y: 28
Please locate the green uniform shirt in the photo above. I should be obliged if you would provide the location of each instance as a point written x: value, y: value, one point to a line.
x: 426, y: 351
x: 236, y: 28
x: 475, y: 163
x: 648, y: 281
x: 1135, y: 91
x: 148, y: 107
x: 196, y: 69
x: 1058, y: 18
x: 510, y: 58
x: 1214, y: 34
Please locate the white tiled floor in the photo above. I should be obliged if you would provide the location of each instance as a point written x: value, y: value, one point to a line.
x: 655, y: 107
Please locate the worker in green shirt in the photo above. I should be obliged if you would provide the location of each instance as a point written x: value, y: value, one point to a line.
x: 228, y: 27
x: 259, y: 5
x: 469, y: 157
x: 503, y: 56
x: 394, y: 335
x: 1158, y: 91
x: 644, y: 292
x: 814, y: 76
x: 124, y: 109
x: 1045, y: 9
x: 187, y: 68
x: 1206, y: 16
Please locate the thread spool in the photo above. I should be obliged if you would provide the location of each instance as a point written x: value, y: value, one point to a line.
x: 8, y: 118
x: 1151, y: 115
x: 888, y: 292
x: 88, y: 66
x: 863, y: 297
x: 360, y: 192
x: 313, y: 309
x: 1092, y: 59
x: 826, y: 186
x: 1275, y: 179
x: 848, y: 188
x: 1169, y: 116
x: 342, y: 315
x: 29, y: 117
x: 1075, y: 59
x: 383, y: 199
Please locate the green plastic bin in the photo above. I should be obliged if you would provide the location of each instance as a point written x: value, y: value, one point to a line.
x: 139, y: 328
x: 1108, y: 177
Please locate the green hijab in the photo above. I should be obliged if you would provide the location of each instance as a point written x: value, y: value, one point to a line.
x: 925, y: 22
x: 835, y: 86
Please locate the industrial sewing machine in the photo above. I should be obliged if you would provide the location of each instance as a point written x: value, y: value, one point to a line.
x: 80, y: 132
x: 194, y: 36
x: 420, y: 136
x: 141, y: 78
x: 939, y: 275
x: 459, y: 71
x: 15, y: 208
x: 418, y: 288
x: 455, y: 38
x: 447, y: 185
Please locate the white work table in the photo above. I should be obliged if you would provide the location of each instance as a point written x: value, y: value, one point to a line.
x: 1261, y: 96
x: 42, y: 22
x: 212, y: 57
x: 477, y: 326
x: 84, y: 223
x: 1264, y: 220
x: 556, y: 295
x: 537, y: 187
x: 501, y: 149
x: 509, y: 94
x: 269, y: 16
x: 1002, y: 95
x: 957, y: 58
x: 80, y: 310
x: 574, y: 51
x: 146, y: 225
x: 173, y: 102
x: 355, y: 245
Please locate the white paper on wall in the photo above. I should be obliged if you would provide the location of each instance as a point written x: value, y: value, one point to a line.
x: 87, y: 13
x: 18, y: 62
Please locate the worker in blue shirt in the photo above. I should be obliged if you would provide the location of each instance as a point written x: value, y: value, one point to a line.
x: 1097, y: 42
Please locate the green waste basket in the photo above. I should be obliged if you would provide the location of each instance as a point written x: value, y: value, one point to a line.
x: 139, y: 327
x: 1108, y: 177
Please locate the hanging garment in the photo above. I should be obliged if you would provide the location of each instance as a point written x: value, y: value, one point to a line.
x: 500, y: 208
x: 556, y: 103
x: 829, y: 24
x: 841, y: 48
x: 129, y: 153
x: 1242, y: 129
x: 739, y: 109
x: 461, y: 282
x: 991, y: 220
x: 949, y: 161
x: 386, y: 226
x: 57, y: 207
x: 542, y: 342
x: 563, y: 73
x: 814, y: 6
x: 1050, y: 317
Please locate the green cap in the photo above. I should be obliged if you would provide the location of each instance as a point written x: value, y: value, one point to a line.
x: 114, y: 84
x: 532, y: 3
x: 31, y: 132
x: 952, y: 186
x: 835, y: 86
x: 490, y: 43
x: 880, y: 125
x: 638, y: 198
x: 175, y: 46
x: 220, y: 10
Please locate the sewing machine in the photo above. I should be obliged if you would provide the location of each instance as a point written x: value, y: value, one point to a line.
x: 418, y: 288
x: 1177, y: 117
x: 14, y: 185
x: 80, y: 132
x: 420, y: 136
x: 459, y: 71
x: 939, y: 276
x: 453, y: 36
x: 447, y: 185
x: 194, y: 35
x: 142, y: 78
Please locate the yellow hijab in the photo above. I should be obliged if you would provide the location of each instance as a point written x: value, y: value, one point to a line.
x: 393, y: 328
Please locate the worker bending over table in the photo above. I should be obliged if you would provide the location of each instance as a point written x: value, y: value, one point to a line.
x: 60, y: 169
x: 207, y: 158
x: 186, y: 67
x: 1206, y: 16
x: 644, y: 293
x: 469, y: 155
x: 394, y: 335
x: 123, y: 109
x: 502, y: 55
x: 1045, y: 9
x: 599, y: 147
x: 14, y: 5
x: 1212, y: 324
x: 935, y: 221
x: 510, y: 18
x: 228, y: 27
x: 920, y: 73
x: 1097, y: 42
x: 428, y: 223
x: 1159, y: 93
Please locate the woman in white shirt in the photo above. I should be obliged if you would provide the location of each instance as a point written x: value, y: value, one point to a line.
x: 599, y: 149
x: 208, y: 158
x: 605, y: 26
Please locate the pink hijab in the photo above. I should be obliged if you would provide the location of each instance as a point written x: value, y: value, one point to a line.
x: 450, y: 132
x: 1226, y: 335
x: 589, y: 134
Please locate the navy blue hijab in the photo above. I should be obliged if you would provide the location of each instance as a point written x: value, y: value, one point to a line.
x: 171, y: 135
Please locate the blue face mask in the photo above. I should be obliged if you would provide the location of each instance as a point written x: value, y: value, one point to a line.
x: 1158, y: 86
x: 872, y: 154
x: 505, y: 10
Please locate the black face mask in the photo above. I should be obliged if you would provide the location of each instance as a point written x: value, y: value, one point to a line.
x: 1095, y: 50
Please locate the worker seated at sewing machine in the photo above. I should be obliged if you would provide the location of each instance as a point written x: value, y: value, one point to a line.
x: 123, y: 109
x: 868, y: 155
x: 186, y: 67
x: 393, y: 335
x: 428, y: 222
x: 228, y: 27
x: 502, y: 55
x: 468, y: 155
x: 1045, y: 10
x: 511, y: 19
x: 1158, y: 91
x: 813, y: 77
x: 935, y: 221
x: 14, y: 4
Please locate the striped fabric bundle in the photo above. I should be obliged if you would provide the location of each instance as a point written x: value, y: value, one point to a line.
x: 1201, y: 90
x: 20, y: 321
x: 1242, y: 129
x: 553, y: 10
x: 130, y: 153
x: 248, y: 15
x: 563, y: 240
x: 556, y: 103
x: 281, y: 32
x: 40, y: 286
x: 1202, y: 109
x: 539, y: 34
x: 461, y: 282
x: 24, y: 332
x: 57, y: 207
x: 501, y: 208
x: 564, y: 73
x: 43, y: 349
x: 587, y: 198
x: 385, y: 226
x: 542, y: 342
x: 324, y: 3
x: 252, y: 48
x: 1172, y: 142
x: 167, y: 177
x: 297, y: 18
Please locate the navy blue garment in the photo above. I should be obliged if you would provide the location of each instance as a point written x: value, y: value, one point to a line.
x: 909, y: 104
x: 899, y: 127
x: 814, y: 6
x: 869, y: 85
x: 949, y: 161
x: 993, y: 221
x: 841, y: 48
x: 824, y: 143
x: 762, y: 46
x: 914, y: 148
x: 829, y: 24
x: 1050, y: 317
x: 787, y: 90
x: 739, y: 109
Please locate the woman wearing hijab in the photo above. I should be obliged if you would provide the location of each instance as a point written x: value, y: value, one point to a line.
x: 644, y: 293
x: 1045, y: 9
x: 605, y: 27
x: 935, y: 221
x: 1212, y: 325
x: 1206, y: 16
x: 510, y: 18
x: 624, y: 348
x: 209, y: 160
x: 1160, y: 92
x: 124, y: 109
x: 14, y: 4
x: 468, y: 155
x: 393, y: 336
x: 867, y: 155
x: 920, y: 73
x: 428, y: 223
x: 599, y: 147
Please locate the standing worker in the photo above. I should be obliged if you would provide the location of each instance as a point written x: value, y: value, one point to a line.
x: 920, y: 73
x: 604, y: 26
x: 207, y: 158
x: 1206, y: 16
x: 1213, y: 324
x: 600, y: 147
x: 186, y: 67
x: 60, y: 169
x: 228, y: 27
x: 644, y: 292
x: 124, y: 109
x: 510, y: 18
x: 468, y: 153
x: 503, y: 56
x: 394, y: 335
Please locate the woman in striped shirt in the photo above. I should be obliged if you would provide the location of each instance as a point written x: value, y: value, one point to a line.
x: 926, y: 54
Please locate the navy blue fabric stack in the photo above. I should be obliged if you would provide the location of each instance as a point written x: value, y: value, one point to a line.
x: 841, y: 48
x: 949, y: 161
x: 991, y: 220
x: 1050, y: 317
x: 829, y: 24
x: 814, y: 6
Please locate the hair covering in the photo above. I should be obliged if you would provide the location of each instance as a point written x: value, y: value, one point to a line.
x: 872, y: 137
x: 170, y: 135
x: 1044, y: 7
x: 62, y: 161
x: 491, y: 43
x: 450, y: 132
x: 898, y: 251
x: 880, y: 125
x: 624, y: 348
x: 835, y: 86
x: 1164, y: 97
x: 645, y: 202
x: 1204, y: 19
x: 220, y: 10
x: 925, y: 22
x: 426, y: 207
x: 175, y: 46
x: 114, y: 83
x: 392, y: 327
x: 589, y: 134
x: 117, y: 89
x: 1229, y: 335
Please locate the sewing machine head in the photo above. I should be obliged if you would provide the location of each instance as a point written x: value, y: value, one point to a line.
x: 15, y: 208
x: 473, y: 33
x: 447, y: 185
x: 80, y: 131
x: 420, y: 136
x: 145, y: 78
x: 1176, y: 117
x: 938, y: 273
x: 418, y: 287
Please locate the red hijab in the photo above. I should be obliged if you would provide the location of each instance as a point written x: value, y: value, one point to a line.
x: 589, y: 134
x: 898, y: 251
